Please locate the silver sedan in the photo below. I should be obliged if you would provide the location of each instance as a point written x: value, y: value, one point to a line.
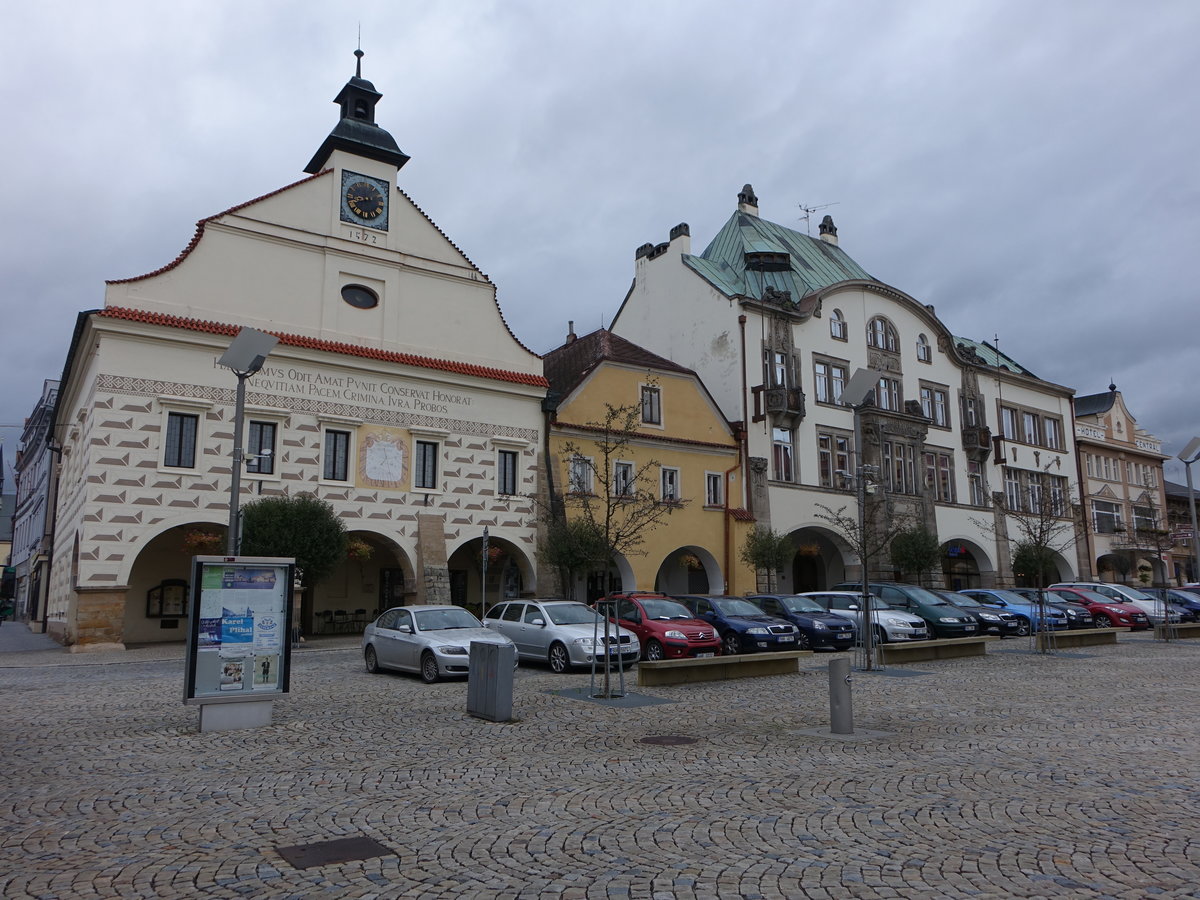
x: 433, y: 641
x: 563, y: 633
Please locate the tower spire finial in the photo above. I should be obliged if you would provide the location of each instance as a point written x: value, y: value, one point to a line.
x: 358, y: 62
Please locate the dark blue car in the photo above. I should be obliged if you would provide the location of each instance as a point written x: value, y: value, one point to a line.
x: 818, y: 628
x: 743, y: 627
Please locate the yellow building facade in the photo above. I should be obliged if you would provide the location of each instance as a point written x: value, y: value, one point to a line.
x: 638, y: 439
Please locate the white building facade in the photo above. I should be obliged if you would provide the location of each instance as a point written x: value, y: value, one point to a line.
x: 396, y: 393
x: 776, y: 322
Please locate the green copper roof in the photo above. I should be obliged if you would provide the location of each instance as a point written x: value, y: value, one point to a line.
x: 810, y: 265
x: 990, y: 355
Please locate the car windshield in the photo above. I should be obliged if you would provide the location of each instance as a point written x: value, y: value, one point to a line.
x: 735, y: 606
x: 923, y: 596
x: 1010, y: 597
x: 665, y: 609
x: 856, y: 599
x: 801, y: 604
x: 444, y: 619
x: 1135, y: 593
x: 571, y: 614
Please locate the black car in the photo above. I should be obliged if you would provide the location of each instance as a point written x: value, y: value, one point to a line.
x: 818, y: 628
x: 1078, y: 615
x: 944, y: 619
x: 744, y: 628
x: 989, y: 619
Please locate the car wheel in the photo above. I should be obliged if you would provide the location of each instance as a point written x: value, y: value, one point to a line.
x: 730, y: 644
x: 371, y: 660
x: 1099, y: 621
x: 803, y: 641
x: 654, y: 651
x: 1022, y: 627
x: 429, y: 668
x: 560, y: 661
x: 880, y: 635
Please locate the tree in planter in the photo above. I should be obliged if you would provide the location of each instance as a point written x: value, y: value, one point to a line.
x: 572, y: 547
x: 768, y: 551
x: 915, y: 551
x: 300, y: 526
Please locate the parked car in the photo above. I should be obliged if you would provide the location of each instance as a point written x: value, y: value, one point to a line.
x: 665, y: 627
x: 989, y: 619
x: 744, y: 628
x: 562, y: 633
x: 1186, y: 603
x: 1123, y: 593
x: 1077, y: 614
x: 1054, y: 619
x: 944, y: 619
x: 889, y: 624
x: 817, y: 628
x: 433, y: 641
x: 1105, y: 611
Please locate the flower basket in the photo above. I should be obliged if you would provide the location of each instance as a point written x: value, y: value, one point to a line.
x: 201, y: 542
x: 358, y: 550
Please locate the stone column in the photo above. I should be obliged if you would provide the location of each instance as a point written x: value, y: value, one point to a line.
x: 433, y: 572
x: 99, y: 619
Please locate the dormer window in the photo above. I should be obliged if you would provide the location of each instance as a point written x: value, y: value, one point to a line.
x: 837, y: 326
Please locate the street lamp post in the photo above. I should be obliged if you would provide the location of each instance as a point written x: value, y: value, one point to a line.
x: 855, y: 395
x: 1189, y: 455
x: 244, y: 357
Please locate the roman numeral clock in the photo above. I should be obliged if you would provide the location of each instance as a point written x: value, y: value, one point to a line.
x: 364, y: 200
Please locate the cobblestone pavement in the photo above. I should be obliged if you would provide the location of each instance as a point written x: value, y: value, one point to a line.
x: 1014, y: 775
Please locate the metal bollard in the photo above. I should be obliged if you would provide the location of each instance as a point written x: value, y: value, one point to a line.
x: 841, y: 711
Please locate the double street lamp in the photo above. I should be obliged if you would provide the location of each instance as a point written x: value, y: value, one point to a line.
x: 245, y: 357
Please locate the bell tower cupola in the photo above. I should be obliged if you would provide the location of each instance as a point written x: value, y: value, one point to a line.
x: 357, y: 132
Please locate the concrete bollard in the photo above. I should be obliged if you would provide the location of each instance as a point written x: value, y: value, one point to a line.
x: 841, y: 711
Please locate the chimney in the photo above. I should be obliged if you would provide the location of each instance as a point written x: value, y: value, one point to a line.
x: 683, y: 234
x: 571, y: 338
x: 828, y: 231
x: 747, y: 202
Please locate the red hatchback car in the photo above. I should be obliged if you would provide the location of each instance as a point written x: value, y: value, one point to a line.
x: 1105, y: 613
x: 666, y: 628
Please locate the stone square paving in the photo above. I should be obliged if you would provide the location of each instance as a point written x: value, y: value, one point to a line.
x: 1014, y: 775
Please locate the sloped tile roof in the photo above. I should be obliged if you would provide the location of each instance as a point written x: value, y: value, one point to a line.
x: 296, y: 340
x: 989, y: 355
x: 568, y: 365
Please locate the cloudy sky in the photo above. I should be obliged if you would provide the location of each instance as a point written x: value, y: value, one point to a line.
x: 1029, y: 168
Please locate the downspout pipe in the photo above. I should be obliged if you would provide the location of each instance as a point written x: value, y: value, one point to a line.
x: 744, y: 442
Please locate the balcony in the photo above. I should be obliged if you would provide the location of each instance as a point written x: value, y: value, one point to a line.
x: 785, y: 406
x: 977, y: 442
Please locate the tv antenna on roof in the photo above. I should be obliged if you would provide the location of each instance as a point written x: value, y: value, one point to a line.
x: 808, y: 211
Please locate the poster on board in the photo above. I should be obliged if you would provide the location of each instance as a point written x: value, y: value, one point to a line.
x: 239, y: 644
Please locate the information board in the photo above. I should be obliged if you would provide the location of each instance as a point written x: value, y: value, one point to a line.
x: 239, y: 635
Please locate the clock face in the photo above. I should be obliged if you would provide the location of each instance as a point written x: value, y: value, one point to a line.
x: 364, y: 200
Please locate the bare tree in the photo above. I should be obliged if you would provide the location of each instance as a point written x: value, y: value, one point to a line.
x: 1147, y: 535
x: 616, y: 496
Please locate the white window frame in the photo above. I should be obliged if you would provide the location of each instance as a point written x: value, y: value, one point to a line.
x: 421, y: 441
x: 714, y: 489
x: 837, y: 326
x: 623, y: 476
x: 185, y: 406
x: 669, y: 484
x: 581, y: 474
x: 501, y: 454
x: 889, y: 394
x: 653, y: 393
x: 783, y: 455
x: 924, y: 351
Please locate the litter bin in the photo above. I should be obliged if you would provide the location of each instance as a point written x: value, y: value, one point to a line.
x: 490, y: 681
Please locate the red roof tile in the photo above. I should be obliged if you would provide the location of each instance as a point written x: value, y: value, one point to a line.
x: 296, y: 340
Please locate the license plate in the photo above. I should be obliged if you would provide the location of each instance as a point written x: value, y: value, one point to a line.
x: 704, y: 655
x: 844, y: 637
x: 786, y: 639
x: 970, y: 628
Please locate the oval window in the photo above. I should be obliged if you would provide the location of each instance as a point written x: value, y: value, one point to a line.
x: 360, y: 297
